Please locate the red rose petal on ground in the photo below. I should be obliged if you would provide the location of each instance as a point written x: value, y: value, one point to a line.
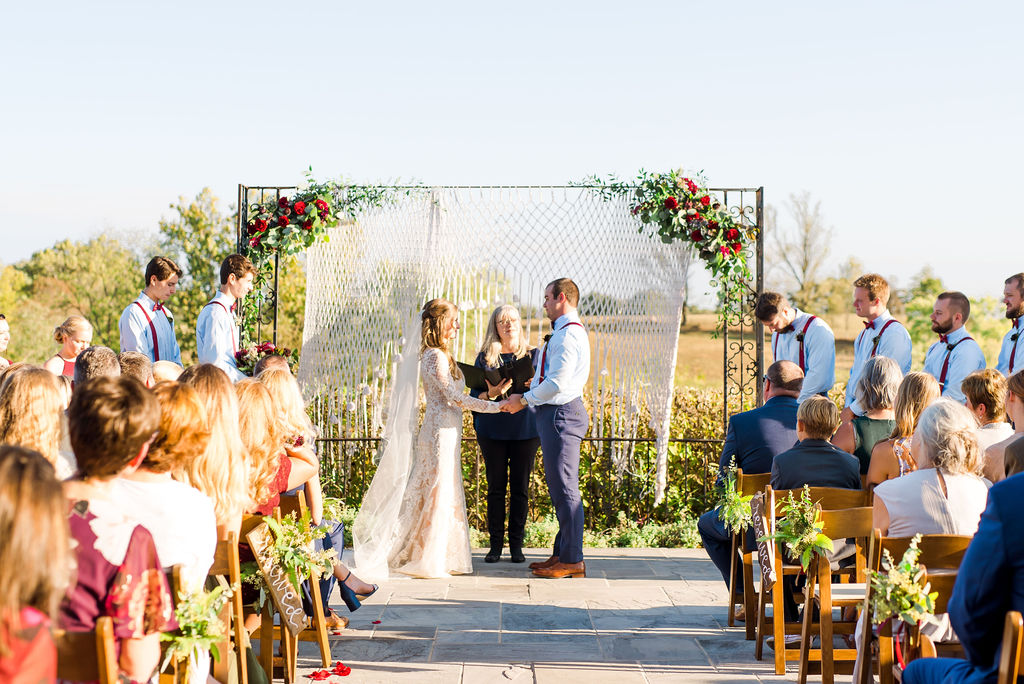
x: 376, y: 622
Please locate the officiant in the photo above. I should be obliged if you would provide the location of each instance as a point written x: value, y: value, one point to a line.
x: 508, y: 442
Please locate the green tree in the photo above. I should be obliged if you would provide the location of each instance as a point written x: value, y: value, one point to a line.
x: 918, y: 300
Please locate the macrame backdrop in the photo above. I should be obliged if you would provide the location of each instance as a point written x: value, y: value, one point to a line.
x: 480, y: 248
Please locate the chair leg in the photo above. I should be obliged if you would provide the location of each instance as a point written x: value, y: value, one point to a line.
x: 828, y: 665
x: 749, y: 594
x: 806, y: 629
x: 779, y: 624
x: 762, y: 619
x: 732, y: 582
x: 320, y: 622
x: 885, y: 654
x: 267, y: 640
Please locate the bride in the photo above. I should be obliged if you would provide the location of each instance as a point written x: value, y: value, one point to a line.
x: 414, y: 514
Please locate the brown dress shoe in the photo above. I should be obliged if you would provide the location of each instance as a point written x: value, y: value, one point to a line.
x: 563, y: 570
x: 544, y: 564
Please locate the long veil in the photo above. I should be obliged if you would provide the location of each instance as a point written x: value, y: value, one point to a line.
x: 376, y: 529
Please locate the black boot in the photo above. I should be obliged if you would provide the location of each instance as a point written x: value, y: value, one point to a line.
x: 517, y: 553
x: 494, y: 555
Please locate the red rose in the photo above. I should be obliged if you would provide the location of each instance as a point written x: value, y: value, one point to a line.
x: 261, y: 225
x: 713, y: 226
x: 725, y: 250
x: 705, y: 200
x: 634, y: 211
x: 283, y: 202
x: 306, y: 225
x: 736, y: 247
x: 321, y: 205
x: 691, y: 186
x: 252, y: 229
x: 300, y: 207
x: 254, y: 241
x: 696, y: 236
x: 732, y: 234
x: 282, y: 221
x: 671, y: 203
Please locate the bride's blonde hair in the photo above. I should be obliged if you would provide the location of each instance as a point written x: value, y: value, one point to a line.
x: 491, y: 348
x: 435, y: 317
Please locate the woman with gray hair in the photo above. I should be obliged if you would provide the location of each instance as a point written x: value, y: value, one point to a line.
x: 876, y: 393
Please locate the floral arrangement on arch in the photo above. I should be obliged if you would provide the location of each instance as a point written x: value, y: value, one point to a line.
x: 291, y: 224
x: 682, y: 209
x: 248, y: 356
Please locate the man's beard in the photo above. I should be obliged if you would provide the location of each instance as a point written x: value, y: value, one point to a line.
x: 942, y: 329
x: 1017, y: 312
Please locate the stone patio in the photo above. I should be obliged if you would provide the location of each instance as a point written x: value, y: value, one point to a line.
x: 640, y: 615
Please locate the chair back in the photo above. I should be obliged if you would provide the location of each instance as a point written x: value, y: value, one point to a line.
x: 748, y: 484
x: 944, y: 551
x: 1011, y: 657
x: 226, y: 563
x: 88, y: 656
x: 829, y: 498
x: 941, y: 581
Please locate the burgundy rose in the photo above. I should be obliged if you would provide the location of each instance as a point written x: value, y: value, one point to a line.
x: 254, y: 241
x: 671, y: 203
x: 300, y: 207
x: 635, y: 210
x: 696, y: 235
x: 713, y: 226
x: 306, y: 225
x: 252, y: 229
x: 732, y: 234
x: 282, y: 221
x: 283, y: 202
x: 736, y: 247
x: 321, y: 205
x: 705, y: 200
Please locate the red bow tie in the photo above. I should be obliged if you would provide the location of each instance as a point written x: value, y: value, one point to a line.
x: 788, y: 329
x: 233, y: 306
x: 944, y: 339
x: 869, y: 324
x: 159, y: 307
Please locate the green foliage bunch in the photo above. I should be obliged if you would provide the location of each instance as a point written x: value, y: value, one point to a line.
x: 800, y: 530
x: 294, y: 550
x: 733, y: 509
x: 199, y: 625
x: 897, y: 591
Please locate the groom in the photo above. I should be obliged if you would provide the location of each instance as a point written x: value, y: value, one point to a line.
x: 562, y: 422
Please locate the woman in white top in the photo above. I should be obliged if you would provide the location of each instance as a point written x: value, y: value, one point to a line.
x: 945, y: 495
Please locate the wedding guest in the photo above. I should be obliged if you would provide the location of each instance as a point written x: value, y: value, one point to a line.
x: 96, y: 362
x: 146, y: 325
x: 956, y: 355
x: 119, y: 574
x: 5, y: 340
x: 35, y: 564
x: 752, y: 441
x: 892, y: 458
x: 883, y: 335
x: 271, y: 361
x: 814, y: 461
x: 994, y: 457
x: 986, y: 395
x: 164, y: 371
x: 31, y: 404
x: 508, y: 442
x: 1013, y: 297
x: 802, y: 338
x: 74, y: 335
x: 876, y: 392
x: 221, y: 471
x: 217, y: 328
x: 180, y: 517
x: 136, y: 365
x: 1013, y: 457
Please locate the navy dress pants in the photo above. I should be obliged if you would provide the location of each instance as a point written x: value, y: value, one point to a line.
x: 561, y: 429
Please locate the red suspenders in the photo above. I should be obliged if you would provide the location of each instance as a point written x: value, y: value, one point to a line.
x: 152, y: 329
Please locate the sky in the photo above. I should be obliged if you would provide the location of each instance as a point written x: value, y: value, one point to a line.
x: 902, y: 119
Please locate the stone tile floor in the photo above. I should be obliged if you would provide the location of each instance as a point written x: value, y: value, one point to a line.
x: 640, y: 615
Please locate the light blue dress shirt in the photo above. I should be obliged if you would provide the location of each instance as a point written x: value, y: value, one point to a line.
x: 217, y: 336
x: 964, y: 359
x: 893, y: 343
x: 1010, y: 341
x: 819, y: 353
x: 567, y: 359
x: 136, y: 334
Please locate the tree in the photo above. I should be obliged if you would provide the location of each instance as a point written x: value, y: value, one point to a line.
x: 918, y: 300
x: 804, y: 249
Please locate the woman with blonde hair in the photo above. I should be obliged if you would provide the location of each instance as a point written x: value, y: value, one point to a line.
x: 74, y: 335
x: 294, y: 420
x: 35, y: 564
x: 221, y: 471
x: 893, y: 457
x: 31, y: 405
x: 995, y: 455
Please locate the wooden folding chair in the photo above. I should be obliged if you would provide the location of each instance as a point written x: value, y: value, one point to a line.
x: 922, y: 646
x: 177, y: 670
x: 317, y: 630
x: 746, y: 485
x: 268, y: 631
x: 88, y: 656
x: 840, y: 524
x: 1011, y: 657
x: 227, y: 565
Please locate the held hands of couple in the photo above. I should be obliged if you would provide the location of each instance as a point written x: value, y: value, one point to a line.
x: 513, y: 404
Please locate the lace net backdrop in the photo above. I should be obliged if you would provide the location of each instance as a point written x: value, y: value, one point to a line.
x: 480, y: 248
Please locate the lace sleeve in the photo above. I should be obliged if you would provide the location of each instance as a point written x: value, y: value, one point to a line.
x: 434, y: 367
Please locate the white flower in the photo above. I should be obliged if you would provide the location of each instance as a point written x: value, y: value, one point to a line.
x: 365, y: 390
x: 350, y: 406
x: 333, y: 417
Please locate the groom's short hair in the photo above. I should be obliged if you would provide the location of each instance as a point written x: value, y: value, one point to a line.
x: 568, y: 288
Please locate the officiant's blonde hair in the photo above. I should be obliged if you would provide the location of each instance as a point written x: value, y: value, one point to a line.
x: 491, y: 348
x: 434, y: 317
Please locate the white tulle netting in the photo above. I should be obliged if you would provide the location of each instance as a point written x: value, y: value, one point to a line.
x: 480, y: 248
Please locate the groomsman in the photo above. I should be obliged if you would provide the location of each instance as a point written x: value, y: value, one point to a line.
x: 1011, y: 359
x: 883, y: 335
x: 146, y: 325
x: 956, y: 355
x: 217, y: 328
x: 802, y: 338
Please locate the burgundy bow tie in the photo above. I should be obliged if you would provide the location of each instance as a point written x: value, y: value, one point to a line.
x: 869, y: 324
x: 159, y: 307
x: 944, y: 339
x: 788, y: 329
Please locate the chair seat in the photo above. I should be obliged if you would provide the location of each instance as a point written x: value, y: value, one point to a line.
x: 846, y: 593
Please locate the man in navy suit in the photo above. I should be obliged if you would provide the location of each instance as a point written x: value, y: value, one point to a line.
x: 753, y: 439
x: 989, y: 584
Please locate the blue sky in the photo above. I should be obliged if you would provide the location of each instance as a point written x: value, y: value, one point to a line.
x: 903, y: 119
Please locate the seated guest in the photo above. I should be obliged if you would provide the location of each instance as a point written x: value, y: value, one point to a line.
x: 180, y: 517
x: 136, y: 365
x: 119, y: 574
x: 876, y: 392
x: 31, y: 406
x: 166, y: 371
x: 814, y: 461
x: 986, y: 393
x: 35, y: 564
x: 74, y: 335
x: 96, y: 362
x: 892, y: 457
x: 221, y: 471
x: 752, y: 440
x: 944, y: 495
x: 990, y: 582
x: 1013, y: 458
x: 271, y: 361
x: 993, y: 458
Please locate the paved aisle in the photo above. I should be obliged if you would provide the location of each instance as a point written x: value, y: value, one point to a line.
x: 641, y: 615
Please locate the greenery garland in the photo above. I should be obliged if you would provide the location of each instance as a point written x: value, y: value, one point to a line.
x: 897, y: 591
x: 680, y: 208
x: 199, y: 625
x: 733, y: 509
x: 800, y: 529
